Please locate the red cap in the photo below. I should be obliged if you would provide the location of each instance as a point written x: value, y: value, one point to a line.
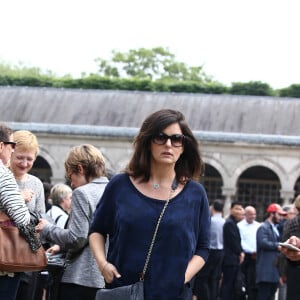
x: 274, y: 207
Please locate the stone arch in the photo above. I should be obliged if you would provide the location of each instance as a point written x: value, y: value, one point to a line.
x: 295, y: 180
x: 41, y: 169
x: 54, y: 164
x: 212, y: 182
x: 267, y: 163
x: 219, y: 166
x: 258, y: 186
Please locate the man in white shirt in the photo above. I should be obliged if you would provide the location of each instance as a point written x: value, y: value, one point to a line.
x: 248, y: 227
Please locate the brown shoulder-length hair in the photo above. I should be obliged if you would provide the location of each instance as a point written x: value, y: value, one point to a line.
x: 190, y: 164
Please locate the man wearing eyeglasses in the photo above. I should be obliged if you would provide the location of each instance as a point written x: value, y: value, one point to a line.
x: 12, y: 203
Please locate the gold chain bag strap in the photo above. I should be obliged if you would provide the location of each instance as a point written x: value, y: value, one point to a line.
x: 136, y: 291
x: 16, y: 254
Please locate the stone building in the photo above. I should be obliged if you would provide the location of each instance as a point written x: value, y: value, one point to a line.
x: 250, y: 144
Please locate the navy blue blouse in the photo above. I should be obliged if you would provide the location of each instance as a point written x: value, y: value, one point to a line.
x: 129, y: 218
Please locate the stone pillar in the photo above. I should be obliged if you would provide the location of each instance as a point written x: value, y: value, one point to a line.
x: 229, y: 194
x: 287, y: 196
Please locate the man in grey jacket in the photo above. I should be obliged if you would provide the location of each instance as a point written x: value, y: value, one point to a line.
x: 267, y: 273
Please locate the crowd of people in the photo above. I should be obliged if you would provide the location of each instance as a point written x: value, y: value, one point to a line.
x: 246, y: 260
x: 104, y: 228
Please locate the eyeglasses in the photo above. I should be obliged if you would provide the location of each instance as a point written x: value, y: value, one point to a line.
x: 177, y: 140
x: 13, y: 144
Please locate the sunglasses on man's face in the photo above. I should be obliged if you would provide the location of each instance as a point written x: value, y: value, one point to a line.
x: 177, y: 140
x: 13, y: 144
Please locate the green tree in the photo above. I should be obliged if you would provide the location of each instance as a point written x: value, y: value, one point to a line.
x: 256, y: 88
x: 291, y: 91
x: 21, y: 70
x: 154, y: 64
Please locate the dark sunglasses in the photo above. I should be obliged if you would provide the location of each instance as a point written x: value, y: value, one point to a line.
x: 13, y: 144
x: 177, y: 140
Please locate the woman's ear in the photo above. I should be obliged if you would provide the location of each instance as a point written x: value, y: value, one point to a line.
x: 80, y: 169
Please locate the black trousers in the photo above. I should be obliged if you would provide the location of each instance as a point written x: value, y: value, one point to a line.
x: 293, y: 283
x: 206, y: 285
x: 249, y: 270
x: 266, y: 290
x: 69, y: 291
x: 228, y: 281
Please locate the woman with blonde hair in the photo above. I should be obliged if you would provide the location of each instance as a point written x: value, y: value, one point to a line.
x: 85, y: 168
x: 21, y: 163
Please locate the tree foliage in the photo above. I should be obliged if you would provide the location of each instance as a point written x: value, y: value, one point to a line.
x: 291, y: 91
x: 140, y: 70
x: 21, y: 70
x: 257, y: 88
x: 154, y: 64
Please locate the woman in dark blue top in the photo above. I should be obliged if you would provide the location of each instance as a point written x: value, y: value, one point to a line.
x: 165, y: 162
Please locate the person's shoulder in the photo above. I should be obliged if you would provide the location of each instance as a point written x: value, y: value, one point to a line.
x: 257, y: 224
x: 241, y: 223
x: 2, y: 169
x: 193, y: 184
x: 230, y: 221
x: 218, y: 219
x: 264, y: 225
x: 35, y: 180
x: 119, y: 176
x: 290, y: 223
x: 118, y: 179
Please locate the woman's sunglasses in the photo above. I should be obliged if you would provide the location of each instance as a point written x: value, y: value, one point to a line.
x: 177, y: 140
x: 13, y: 144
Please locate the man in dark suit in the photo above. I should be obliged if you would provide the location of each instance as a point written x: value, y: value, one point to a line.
x: 267, y: 238
x: 233, y: 253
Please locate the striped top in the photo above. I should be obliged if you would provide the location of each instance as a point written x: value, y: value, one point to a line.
x: 10, y: 199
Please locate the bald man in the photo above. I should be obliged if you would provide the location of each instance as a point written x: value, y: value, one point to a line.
x: 248, y: 227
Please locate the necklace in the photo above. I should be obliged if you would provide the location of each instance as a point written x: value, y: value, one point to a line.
x: 174, y: 186
x: 155, y: 186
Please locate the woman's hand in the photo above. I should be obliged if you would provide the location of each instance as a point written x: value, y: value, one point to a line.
x: 53, y: 250
x: 42, y: 223
x: 27, y: 194
x: 194, y: 266
x: 109, y: 272
x: 291, y: 254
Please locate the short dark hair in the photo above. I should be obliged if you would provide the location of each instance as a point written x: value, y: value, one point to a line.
x: 190, y: 164
x: 235, y: 203
x: 5, y: 132
x: 218, y: 205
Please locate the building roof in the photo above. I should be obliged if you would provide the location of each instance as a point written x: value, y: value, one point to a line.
x: 204, y: 112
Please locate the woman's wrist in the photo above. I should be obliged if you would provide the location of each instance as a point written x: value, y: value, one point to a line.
x: 104, y: 266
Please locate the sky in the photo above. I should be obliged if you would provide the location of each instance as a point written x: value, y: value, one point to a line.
x: 234, y: 40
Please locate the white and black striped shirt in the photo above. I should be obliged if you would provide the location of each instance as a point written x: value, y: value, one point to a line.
x: 11, y: 200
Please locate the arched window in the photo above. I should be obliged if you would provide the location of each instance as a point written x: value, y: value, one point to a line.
x: 41, y: 169
x: 258, y: 186
x: 212, y: 182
